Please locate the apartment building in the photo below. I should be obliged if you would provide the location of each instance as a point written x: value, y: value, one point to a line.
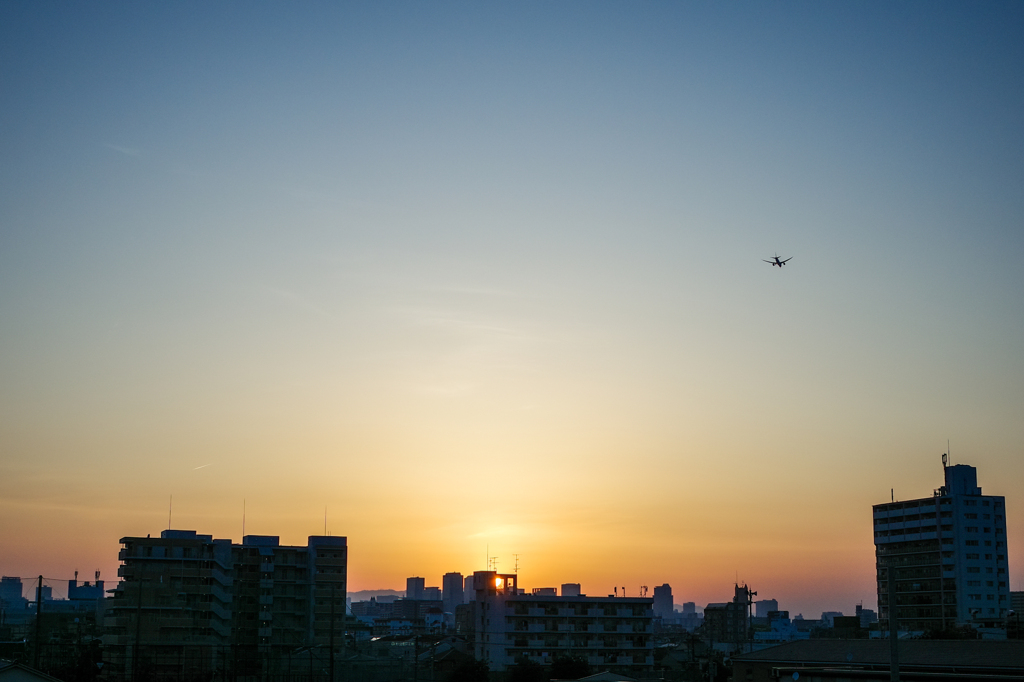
x: 189, y: 604
x: 949, y: 555
x: 610, y: 633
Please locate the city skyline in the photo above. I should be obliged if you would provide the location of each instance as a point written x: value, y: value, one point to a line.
x: 461, y: 280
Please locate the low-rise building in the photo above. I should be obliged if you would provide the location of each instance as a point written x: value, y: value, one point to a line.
x: 610, y: 633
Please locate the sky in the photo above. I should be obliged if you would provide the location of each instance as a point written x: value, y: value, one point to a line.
x: 461, y: 281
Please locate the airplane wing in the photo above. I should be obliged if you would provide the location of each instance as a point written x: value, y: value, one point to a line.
x: 788, y: 259
x: 769, y: 261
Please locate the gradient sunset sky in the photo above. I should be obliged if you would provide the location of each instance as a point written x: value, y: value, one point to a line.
x: 489, y: 275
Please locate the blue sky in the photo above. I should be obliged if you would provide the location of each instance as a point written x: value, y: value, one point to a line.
x: 341, y: 248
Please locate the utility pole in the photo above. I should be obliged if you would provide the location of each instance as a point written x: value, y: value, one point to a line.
x: 39, y: 622
x: 894, y: 661
x: 331, y: 638
x: 138, y: 631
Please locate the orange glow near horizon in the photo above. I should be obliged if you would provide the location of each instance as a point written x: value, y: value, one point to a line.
x: 491, y: 277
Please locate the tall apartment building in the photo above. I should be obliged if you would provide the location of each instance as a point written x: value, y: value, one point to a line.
x: 949, y: 554
x: 191, y: 605
x: 175, y: 594
x: 610, y: 633
x: 414, y: 588
x: 452, y: 591
x: 664, y: 607
x: 730, y: 621
x: 283, y: 593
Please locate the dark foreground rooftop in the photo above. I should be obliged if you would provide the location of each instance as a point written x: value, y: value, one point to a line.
x: 868, y: 659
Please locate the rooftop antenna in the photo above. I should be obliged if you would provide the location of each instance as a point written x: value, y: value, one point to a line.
x: 517, y: 563
x: 892, y: 494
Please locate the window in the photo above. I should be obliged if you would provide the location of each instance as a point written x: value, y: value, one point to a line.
x: 973, y: 597
x: 970, y: 529
x: 966, y: 516
x: 986, y: 516
x: 969, y: 543
x: 999, y: 557
x: 969, y: 556
x: 973, y: 583
x: 983, y: 504
x: 987, y: 596
x: 987, y: 530
x: 970, y: 569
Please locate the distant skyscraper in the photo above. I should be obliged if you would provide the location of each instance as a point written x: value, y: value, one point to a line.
x: 663, y: 604
x: 571, y: 590
x: 11, y: 594
x: 452, y: 592
x: 467, y: 589
x: 414, y: 588
x: 762, y: 607
x: 950, y: 551
x: 432, y: 593
x: 689, y: 607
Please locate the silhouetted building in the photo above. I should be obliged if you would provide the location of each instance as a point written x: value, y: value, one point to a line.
x: 189, y: 604
x: 571, y: 590
x: 414, y: 588
x: 452, y: 591
x: 949, y: 551
x: 12, y: 599
x: 867, y: 616
x: 431, y: 593
x: 544, y: 592
x: 175, y: 593
x: 664, y: 607
x: 282, y: 593
x: 728, y: 621
x: 467, y: 589
x: 611, y: 633
x: 763, y: 607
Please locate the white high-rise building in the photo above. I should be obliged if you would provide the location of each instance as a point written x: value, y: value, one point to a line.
x: 949, y: 551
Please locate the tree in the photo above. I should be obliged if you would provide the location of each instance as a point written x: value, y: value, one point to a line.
x: 470, y: 671
x: 569, y: 668
x: 527, y: 671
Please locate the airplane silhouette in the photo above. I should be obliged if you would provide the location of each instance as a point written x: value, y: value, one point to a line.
x: 778, y: 262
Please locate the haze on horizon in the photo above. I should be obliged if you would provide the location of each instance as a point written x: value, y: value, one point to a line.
x: 478, y: 277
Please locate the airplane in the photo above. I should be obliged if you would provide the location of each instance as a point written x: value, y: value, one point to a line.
x: 778, y: 262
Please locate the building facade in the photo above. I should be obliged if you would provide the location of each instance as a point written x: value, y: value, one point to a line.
x: 610, y: 633
x: 664, y: 607
x: 949, y: 555
x: 414, y: 588
x: 452, y: 592
x: 192, y: 605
